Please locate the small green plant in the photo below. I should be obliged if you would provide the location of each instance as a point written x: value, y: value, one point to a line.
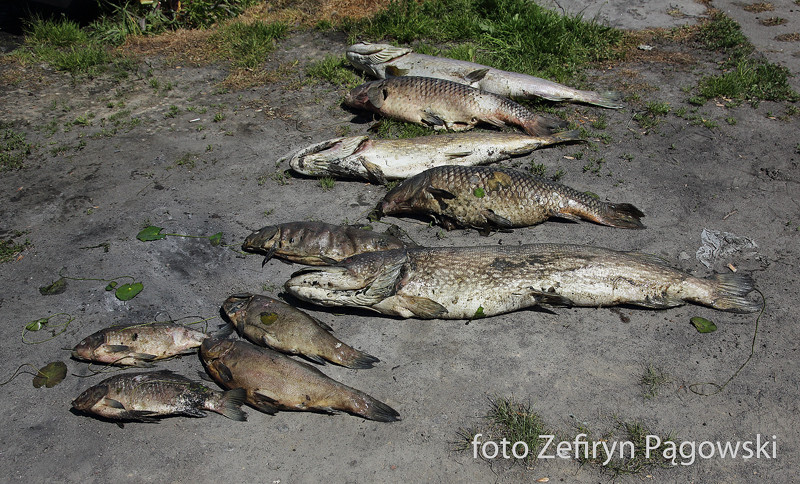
x: 390, y: 128
x: 327, y: 183
x: 172, y: 112
x: 219, y: 117
x: 13, y: 149
x: 247, y: 44
x: 334, y: 69
x: 632, y: 456
x: 538, y: 169
x: 9, y: 248
x: 600, y: 122
x: 652, y: 380
x: 658, y: 108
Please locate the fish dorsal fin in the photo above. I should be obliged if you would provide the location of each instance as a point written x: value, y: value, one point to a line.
x: 376, y: 95
x: 374, y: 172
x: 394, y: 71
x: 387, y: 53
x: 477, y: 74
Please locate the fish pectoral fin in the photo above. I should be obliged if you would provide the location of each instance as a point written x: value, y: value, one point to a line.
x: 653, y: 259
x: 552, y: 299
x: 432, y: 119
x: 117, y: 348
x: 497, y: 219
x: 374, y: 172
x: 376, y: 96
x: 422, y: 307
x: 144, y: 356
x: 269, y: 255
x: 315, y: 358
x: 323, y: 325
x: 141, y: 416
x: 113, y: 403
x: 223, y: 371
x: 457, y: 154
x: 263, y: 403
x: 440, y: 195
x: 659, y: 302
x: 384, y: 285
x: 193, y: 412
x: 394, y: 71
x: 477, y: 74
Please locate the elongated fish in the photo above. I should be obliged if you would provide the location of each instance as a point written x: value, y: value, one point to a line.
x: 140, y: 344
x: 144, y: 397
x: 316, y: 243
x: 442, y: 104
x: 379, y: 160
x: 469, y: 282
x: 489, y: 198
x: 269, y: 322
x: 274, y: 381
x: 383, y: 60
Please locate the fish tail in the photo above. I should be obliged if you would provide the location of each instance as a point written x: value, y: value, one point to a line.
x: 230, y: 404
x: 573, y: 135
x: 379, y: 411
x: 730, y: 290
x: 606, y: 99
x: 352, y: 358
x: 539, y: 126
x: 621, y: 215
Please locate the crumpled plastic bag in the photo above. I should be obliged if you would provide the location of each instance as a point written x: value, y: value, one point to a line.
x: 717, y: 244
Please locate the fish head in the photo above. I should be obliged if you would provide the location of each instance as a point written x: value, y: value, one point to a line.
x: 85, y: 350
x: 235, y: 307
x: 89, y: 398
x: 408, y: 197
x: 368, y: 57
x: 368, y: 96
x: 264, y: 240
x: 360, y: 280
x: 323, y: 158
x: 215, y: 348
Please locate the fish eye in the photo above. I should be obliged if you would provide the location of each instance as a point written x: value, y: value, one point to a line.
x: 291, y: 240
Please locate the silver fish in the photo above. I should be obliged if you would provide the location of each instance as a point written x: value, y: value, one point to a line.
x: 379, y: 160
x: 383, y: 60
x: 442, y: 104
x: 469, y: 282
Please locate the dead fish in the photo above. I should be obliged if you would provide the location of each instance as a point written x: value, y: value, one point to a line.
x: 489, y: 198
x: 274, y: 381
x: 442, y: 104
x: 380, y: 160
x: 142, y: 397
x: 140, y: 344
x: 383, y: 60
x: 470, y: 282
x: 269, y: 322
x: 316, y: 243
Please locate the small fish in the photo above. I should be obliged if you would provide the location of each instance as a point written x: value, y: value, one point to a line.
x: 143, y: 397
x: 488, y: 198
x: 470, y: 282
x: 140, y: 344
x: 383, y: 60
x: 316, y: 243
x: 269, y: 322
x: 274, y: 381
x: 442, y: 104
x: 380, y: 160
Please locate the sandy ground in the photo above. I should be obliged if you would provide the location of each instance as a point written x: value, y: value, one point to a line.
x: 182, y: 170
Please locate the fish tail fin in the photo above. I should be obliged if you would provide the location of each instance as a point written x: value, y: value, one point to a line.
x: 539, y: 126
x: 230, y: 404
x: 621, y: 215
x: 379, y: 411
x: 730, y: 290
x: 573, y: 135
x: 353, y: 358
x: 605, y: 99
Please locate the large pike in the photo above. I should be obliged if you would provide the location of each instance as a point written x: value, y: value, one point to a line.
x: 488, y: 198
x: 442, y: 104
x: 379, y: 160
x: 269, y: 322
x: 316, y: 243
x: 274, y: 381
x: 143, y: 397
x: 469, y: 282
x: 383, y: 60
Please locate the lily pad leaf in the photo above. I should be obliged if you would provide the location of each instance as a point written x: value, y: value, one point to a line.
x: 268, y: 318
x: 703, y: 325
x: 479, y: 313
x: 216, y: 239
x: 36, y: 325
x: 56, y: 287
x: 50, y: 375
x: 151, y: 232
x: 126, y: 292
x: 111, y: 285
x: 479, y: 192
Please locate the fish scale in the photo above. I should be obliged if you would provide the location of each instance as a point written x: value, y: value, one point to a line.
x: 444, y: 104
x: 489, y: 198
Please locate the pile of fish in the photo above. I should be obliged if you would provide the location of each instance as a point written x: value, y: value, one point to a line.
x: 445, y: 178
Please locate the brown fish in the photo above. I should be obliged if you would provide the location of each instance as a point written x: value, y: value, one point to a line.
x: 269, y: 322
x: 443, y: 104
x: 488, y: 198
x: 143, y: 397
x: 316, y: 243
x: 274, y: 381
x: 141, y: 344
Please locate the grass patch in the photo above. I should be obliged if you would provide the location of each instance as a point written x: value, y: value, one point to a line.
x: 13, y: 149
x: 626, y: 458
x: 653, y: 379
x: 391, y: 128
x: 9, y: 249
x: 334, y: 69
x: 514, y: 35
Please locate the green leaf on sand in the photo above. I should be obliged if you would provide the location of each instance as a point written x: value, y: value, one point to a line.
x: 50, y: 375
x: 151, y: 232
x: 36, y: 325
x: 111, y: 285
x: 478, y: 192
x: 56, y: 287
x: 126, y: 292
x: 479, y: 313
x: 268, y: 318
x: 703, y: 325
x: 216, y: 239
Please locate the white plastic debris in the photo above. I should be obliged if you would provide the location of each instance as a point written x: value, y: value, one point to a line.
x: 717, y: 244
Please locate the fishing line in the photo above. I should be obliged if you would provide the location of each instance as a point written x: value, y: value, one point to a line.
x: 752, y: 352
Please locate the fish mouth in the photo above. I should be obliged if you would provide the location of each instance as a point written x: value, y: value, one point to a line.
x: 215, y: 348
x: 316, y: 159
x: 236, y: 304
